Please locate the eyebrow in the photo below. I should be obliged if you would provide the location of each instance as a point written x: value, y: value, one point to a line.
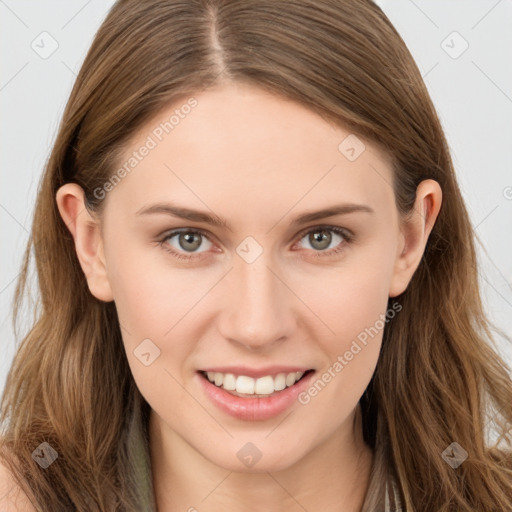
x: 214, y: 220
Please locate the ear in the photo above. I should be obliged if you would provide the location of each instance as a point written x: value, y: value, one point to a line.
x: 87, y: 236
x: 415, y: 230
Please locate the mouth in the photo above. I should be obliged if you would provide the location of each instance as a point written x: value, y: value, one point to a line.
x: 244, y: 386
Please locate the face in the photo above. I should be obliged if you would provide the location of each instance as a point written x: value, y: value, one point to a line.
x: 261, y: 292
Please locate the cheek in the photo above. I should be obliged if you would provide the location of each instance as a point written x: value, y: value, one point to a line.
x: 150, y: 299
x: 352, y: 301
x: 149, y: 304
x: 149, y: 293
x: 354, y: 315
x: 354, y: 307
x: 350, y: 298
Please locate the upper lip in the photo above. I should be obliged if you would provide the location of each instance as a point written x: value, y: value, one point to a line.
x: 256, y: 372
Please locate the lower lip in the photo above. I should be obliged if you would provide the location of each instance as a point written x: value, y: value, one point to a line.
x: 254, y: 409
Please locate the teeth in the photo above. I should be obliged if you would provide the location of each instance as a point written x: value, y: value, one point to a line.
x: 280, y: 381
x: 290, y: 379
x: 245, y: 385
x: 229, y: 382
x: 248, y: 386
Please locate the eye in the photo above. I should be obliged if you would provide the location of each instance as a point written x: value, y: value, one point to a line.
x: 320, y: 238
x: 186, y: 240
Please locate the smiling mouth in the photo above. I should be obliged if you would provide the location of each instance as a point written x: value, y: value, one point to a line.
x: 248, y: 387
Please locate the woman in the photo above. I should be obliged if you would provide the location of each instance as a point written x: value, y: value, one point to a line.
x: 258, y: 279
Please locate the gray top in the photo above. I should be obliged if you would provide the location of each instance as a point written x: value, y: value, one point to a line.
x: 392, y: 499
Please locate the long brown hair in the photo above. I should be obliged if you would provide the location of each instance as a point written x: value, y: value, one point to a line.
x: 439, y: 375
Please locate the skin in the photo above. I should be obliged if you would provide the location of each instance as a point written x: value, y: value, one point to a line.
x: 257, y: 161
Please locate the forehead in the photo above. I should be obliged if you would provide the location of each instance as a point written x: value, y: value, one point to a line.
x: 241, y: 147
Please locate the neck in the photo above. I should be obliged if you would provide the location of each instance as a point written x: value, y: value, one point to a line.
x: 333, y: 477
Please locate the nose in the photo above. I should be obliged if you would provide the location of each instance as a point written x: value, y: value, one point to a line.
x: 259, y: 307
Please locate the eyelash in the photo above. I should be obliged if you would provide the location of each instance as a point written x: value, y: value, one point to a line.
x: 347, y: 238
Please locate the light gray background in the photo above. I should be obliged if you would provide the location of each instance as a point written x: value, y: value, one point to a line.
x: 472, y: 93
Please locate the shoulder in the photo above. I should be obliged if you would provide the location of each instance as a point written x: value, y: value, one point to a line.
x: 12, y: 498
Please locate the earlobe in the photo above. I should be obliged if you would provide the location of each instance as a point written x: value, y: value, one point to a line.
x: 415, y: 231
x: 87, y: 237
